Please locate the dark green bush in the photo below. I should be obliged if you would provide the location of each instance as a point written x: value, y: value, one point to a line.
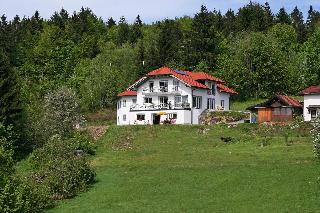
x: 62, y: 168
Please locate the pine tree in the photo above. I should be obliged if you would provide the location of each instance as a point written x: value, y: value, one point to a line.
x: 169, y: 39
x: 268, y: 16
x: 283, y: 17
x: 298, y: 24
x: 136, y: 32
x: 313, y: 20
x: 10, y: 110
x: 229, y: 22
x: 111, y: 23
x: 204, y: 44
x: 123, y: 33
x: 252, y: 17
x: 60, y: 18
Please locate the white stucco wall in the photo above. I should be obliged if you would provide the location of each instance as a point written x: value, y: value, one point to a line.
x: 309, y: 100
x: 183, y: 116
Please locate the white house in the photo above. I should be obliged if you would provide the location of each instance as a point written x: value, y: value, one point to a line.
x: 311, y: 106
x: 175, y: 96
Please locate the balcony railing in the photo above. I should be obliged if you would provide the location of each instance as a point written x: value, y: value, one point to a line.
x: 161, y: 90
x: 163, y: 106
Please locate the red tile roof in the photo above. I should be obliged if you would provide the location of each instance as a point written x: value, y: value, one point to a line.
x: 311, y: 90
x: 127, y: 93
x: 189, y: 78
x: 185, y: 78
x: 287, y: 101
x: 224, y: 88
x: 161, y: 71
x: 203, y: 76
x: 291, y: 101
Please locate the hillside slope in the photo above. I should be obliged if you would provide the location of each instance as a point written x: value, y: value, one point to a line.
x: 200, y: 169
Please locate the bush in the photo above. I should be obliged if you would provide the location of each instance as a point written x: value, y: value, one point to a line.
x: 22, y: 196
x: 223, y: 117
x: 316, y: 136
x: 6, y: 154
x: 62, y: 168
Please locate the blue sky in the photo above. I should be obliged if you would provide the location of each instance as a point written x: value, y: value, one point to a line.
x: 149, y: 10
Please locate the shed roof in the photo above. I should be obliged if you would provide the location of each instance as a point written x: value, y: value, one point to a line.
x: 285, y: 101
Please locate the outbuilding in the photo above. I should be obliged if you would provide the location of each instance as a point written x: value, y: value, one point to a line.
x: 279, y: 108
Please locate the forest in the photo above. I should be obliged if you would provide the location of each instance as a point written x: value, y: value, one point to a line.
x: 53, y: 70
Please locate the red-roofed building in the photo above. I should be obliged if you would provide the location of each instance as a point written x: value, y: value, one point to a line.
x: 169, y: 95
x: 279, y: 108
x: 311, y: 103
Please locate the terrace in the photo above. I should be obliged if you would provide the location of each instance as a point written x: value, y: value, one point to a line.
x: 162, y: 106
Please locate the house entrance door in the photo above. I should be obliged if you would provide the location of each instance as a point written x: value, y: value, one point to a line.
x: 156, y: 119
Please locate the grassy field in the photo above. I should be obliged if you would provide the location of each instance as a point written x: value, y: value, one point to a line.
x: 178, y: 169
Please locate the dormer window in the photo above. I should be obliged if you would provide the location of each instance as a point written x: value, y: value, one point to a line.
x: 212, y: 87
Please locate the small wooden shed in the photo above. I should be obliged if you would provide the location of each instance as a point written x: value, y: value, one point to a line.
x: 279, y: 108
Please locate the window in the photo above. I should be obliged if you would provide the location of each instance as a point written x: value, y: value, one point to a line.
x: 124, y: 117
x: 172, y: 116
x: 163, y: 86
x: 184, y: 99
x: 175, y: 85
x: 124, y: 103
x: 148, y: 100
x: 163, y: 101
x: 177, y: 101
x: 196, y: 102
x: 211, y: 103
x: 151, y: 85
x: 222, y: 103
x: 134, y: 101
x: 119, y: 104
x: 140, y: 117
x: 212, y: 87
x: 313, y: 113
x: 276, y: 111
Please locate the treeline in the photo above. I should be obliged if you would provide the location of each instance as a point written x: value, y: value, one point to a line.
x: 85, y: 61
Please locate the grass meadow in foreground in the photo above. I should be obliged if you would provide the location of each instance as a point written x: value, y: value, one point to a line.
x: 190, y: 169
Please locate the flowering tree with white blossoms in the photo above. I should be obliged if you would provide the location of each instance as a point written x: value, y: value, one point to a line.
x: 316, y: 136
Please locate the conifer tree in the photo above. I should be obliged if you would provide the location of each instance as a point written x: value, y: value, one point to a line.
x: 111, y: 23
x: 169, y: 39
x: 9, y: 96
x: 298, y: 24
x: 283, y: 17
x: 123, y: 33
x: 268, y: 16
x: 229, y: 22
x: 204, y: 39
x: 136, y: 32
x: 313, y: 20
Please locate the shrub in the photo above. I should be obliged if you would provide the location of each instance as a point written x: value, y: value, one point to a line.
x: 223, y: 117
x: 20, y: 195
x: 6, y: 153
x: 316, y: 136
x: 62, y: 168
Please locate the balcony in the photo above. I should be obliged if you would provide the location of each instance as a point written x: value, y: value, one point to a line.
x: 161, y: 91
x: 163, y: 106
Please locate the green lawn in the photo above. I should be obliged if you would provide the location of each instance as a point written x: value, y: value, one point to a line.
x: 176, y: 169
